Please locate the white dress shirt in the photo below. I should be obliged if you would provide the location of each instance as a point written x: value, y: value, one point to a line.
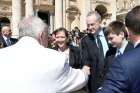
x: 104, y: 42
x: 136, y: 43
x: 122, y: 48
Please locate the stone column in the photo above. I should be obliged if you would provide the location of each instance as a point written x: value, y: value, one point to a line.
x: 66, y: 22
x: 85, y: 8
x: 75, y: 22
x: 51, y: 22
x: 16, y: 16
x: 114, y: 9
x: 58, y: 13
x: 29, y: 8
x: 64, y: 12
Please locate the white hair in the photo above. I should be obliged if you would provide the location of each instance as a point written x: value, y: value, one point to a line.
x: 32, y: 26
x: 98, y: 16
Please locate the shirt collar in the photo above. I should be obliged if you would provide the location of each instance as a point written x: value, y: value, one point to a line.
x: 136, y: 43
x: 123, y: 46
x: 27, y: 41
x: 5, y: 38
x: 99, y: 32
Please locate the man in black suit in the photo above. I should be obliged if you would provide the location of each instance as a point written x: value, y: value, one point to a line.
x: 93, y: 50
x: 123, y: 75
x: 5, y: 37
x: 117, y: 36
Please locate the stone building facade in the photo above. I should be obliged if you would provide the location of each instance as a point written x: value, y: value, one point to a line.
x: 63, y: 13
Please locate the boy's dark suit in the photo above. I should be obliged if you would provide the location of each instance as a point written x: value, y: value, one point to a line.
x: 110, y: 55
x: 123, y: 75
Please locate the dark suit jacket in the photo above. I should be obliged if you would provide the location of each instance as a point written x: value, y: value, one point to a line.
x: 110, y: 55
x: 74, y: 56
x: 90, y: 56
x: 13, y: 41
x: 123, y: 75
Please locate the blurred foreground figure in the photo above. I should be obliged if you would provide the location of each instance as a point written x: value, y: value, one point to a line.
x: 33, y: 68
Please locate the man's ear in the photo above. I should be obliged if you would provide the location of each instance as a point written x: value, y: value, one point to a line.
x: 122, y: 34
x: 40, y: 37
x: 41, y: 34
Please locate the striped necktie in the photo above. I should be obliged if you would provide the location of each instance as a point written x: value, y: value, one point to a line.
x: 8, y: 41
x: 118, y: 53
x: 99, y: 44
x: 101, y: 53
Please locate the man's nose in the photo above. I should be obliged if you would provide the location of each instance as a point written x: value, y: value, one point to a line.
x: 90, y: 27
x: 109, y: 41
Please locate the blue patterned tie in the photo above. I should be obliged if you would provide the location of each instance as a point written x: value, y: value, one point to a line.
x: 99, y: 44
x: 8, y: 41
x: 118, y: 53
x: 101, y: 52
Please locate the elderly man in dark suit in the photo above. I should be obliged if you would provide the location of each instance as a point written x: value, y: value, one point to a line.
x: 5, y: 37
x: 93, y: 49
x: 123, y: 75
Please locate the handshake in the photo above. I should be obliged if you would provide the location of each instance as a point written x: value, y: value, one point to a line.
x: 86, y: 69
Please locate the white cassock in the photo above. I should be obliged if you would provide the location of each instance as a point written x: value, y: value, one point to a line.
x: 28, y: 67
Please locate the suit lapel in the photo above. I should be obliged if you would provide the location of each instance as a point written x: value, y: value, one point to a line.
x: 3, y: 41
x: 138, y: 45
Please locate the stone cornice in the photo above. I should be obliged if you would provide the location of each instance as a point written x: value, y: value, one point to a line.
x: 6, y: 2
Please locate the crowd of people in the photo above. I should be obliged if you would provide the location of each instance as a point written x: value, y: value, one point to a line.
x: 99, y: 60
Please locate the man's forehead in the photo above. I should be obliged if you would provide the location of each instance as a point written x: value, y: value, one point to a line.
x: 6, y: 27
x: 111, y: 34
x: 91, y: 19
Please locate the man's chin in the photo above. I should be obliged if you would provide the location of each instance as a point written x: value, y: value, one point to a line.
x: 92, y: 32
x: 114, y: 46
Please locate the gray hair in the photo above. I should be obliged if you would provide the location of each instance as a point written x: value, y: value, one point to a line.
x: 32, y: 26
x: 98, y: 16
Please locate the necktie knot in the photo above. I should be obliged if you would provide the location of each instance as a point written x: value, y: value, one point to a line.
x: 118, y: 53
x: 8, y: 41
